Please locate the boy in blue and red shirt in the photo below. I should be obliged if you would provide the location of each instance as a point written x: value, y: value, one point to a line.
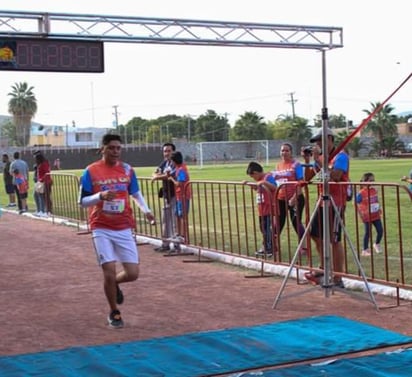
x: 22, y: 187
x: 265, y: 187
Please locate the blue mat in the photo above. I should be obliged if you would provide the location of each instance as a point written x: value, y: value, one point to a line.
x: 208, y: 353
x: 391, y: 364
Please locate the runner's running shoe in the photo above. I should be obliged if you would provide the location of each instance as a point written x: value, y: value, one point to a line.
x: 115, y: 320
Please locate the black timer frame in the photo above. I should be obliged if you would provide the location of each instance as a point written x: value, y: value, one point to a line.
x: 51, y: 55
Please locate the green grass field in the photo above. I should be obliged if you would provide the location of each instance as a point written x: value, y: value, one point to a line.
x: 388, y: 170
x: 385, y: 170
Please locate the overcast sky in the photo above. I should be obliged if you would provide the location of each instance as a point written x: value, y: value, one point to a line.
x: 156, y: 80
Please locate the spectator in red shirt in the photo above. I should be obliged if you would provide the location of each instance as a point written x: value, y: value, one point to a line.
x: 265, y: 186
x: 43, y: 175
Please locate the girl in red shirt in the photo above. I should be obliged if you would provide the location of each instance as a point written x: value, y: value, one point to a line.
x: 370, y: 212
x: 290, y: 198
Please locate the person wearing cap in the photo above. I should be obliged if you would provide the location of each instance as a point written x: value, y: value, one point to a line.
x: 338, y: 170
x: 106, y: 187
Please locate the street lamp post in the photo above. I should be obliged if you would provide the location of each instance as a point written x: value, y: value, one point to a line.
x: 67, y: 135
x: 188, y: 128
x: 67, y: 132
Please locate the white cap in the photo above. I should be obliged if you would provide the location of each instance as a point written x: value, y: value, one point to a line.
x: 319, y: 135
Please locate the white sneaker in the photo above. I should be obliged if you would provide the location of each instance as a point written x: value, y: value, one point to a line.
x: 366, y: 253
x: 37, y: 214
x: 176, y: 239
x: 377, y: 248
x: 261, y: 253
x: 44, y: 214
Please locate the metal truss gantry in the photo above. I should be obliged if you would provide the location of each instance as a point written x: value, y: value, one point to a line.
x: 167, y: 31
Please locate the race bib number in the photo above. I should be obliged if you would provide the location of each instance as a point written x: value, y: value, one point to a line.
x: 374, y: 207
x: 113, y: 206
x: 260, y: 198
x: 281, y: 180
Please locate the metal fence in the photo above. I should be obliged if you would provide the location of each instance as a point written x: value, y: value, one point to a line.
x: 223, y: 217
x: 65, y: 193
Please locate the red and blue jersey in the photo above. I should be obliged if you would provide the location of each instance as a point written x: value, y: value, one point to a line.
x: 182, y: 176
x: 116, y: 214
x: 368, y: 204
x: 265, y: 198
x: 21, y: 183
x: 287, y: 171
x: 339, y: 193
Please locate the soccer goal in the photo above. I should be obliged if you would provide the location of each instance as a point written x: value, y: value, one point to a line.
x: 213, y: 152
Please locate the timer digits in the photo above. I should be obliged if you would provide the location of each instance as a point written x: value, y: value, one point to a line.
x: 51, y: 55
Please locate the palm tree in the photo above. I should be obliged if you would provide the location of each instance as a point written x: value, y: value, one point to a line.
x: 383, y: 124
x: 250, y: 126
x: 23, y: 107
x: 211, y: 127
x: 353, y: 147
x: 299, y: 132
x: 294, y: 129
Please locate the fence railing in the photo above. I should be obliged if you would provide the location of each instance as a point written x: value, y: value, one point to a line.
x: 65, y: 193
x: 223, y: 217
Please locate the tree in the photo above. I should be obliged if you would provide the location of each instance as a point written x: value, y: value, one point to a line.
x: 383, y: 124
x: 171, y: 126
x: 136, y: 130
x: 299, y: 132
x: 404, y: 118
x: 250, y: 126
x: 23, y: 107
x: 355, y: 146
x: 153, y: 134
x: 212, y: 127
x: 295, y: 129
x: 340, y: 137
x: 278, y: 129
x: 390, y: 145
x: 8, y: 132
x: 334, y: 121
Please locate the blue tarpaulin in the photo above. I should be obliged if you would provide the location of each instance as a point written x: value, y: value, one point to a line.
x: 208, y: 353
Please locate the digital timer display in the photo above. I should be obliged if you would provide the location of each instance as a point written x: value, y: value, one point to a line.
x: 51, y: 55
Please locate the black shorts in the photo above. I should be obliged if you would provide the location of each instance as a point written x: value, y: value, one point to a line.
x: 335, y: 227
x: 9, y: 188
x: 24, y: 195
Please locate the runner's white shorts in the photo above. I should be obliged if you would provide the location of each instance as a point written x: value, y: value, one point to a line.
x: 115, y: 246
